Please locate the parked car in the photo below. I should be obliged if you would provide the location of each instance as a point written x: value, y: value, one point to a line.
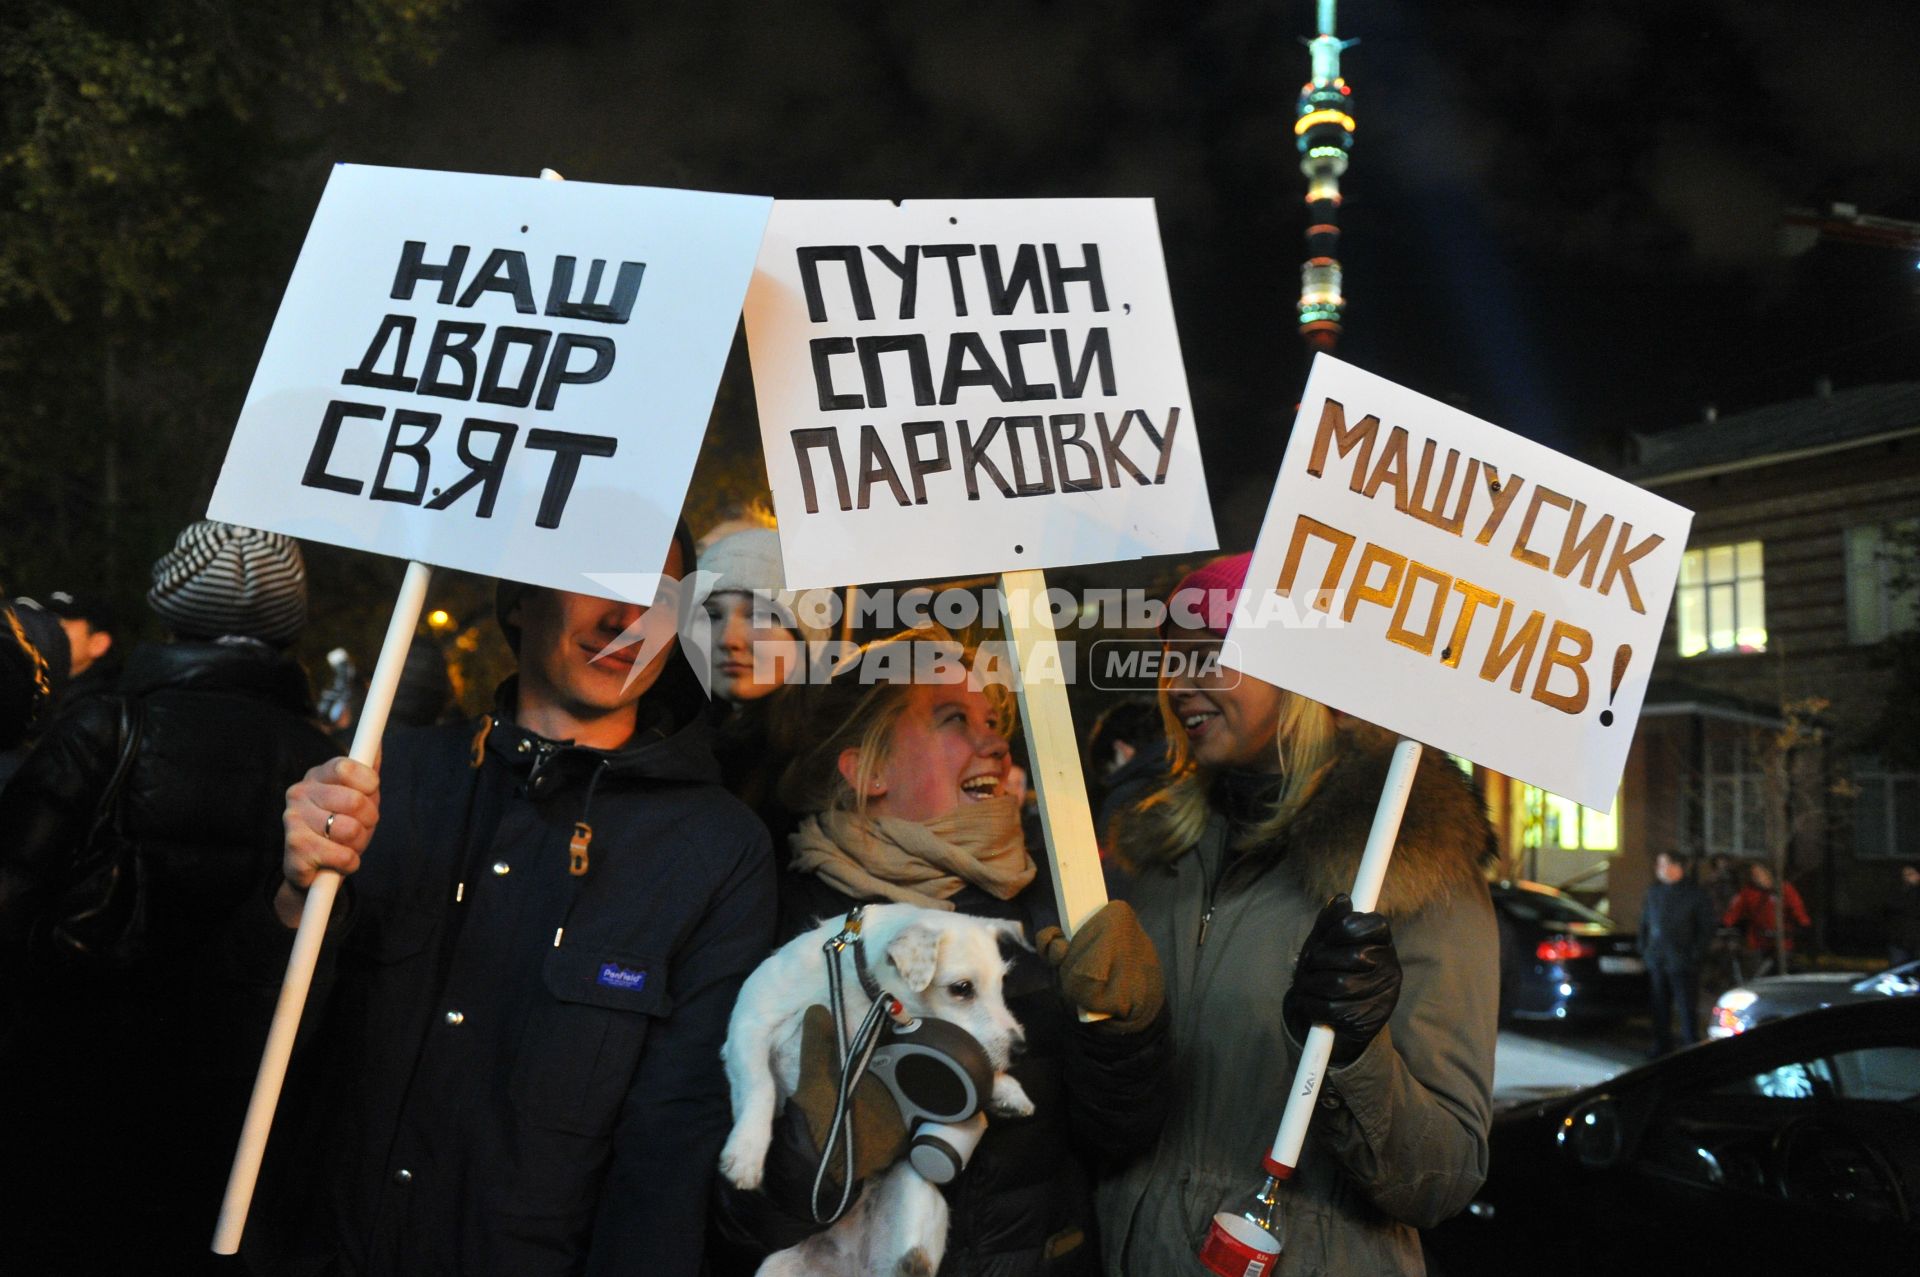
x: 1792, y: 1148
x: 1560, y: 960
x: 1758, y: 1001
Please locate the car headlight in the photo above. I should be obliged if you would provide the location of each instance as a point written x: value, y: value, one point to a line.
x: 1737, y: 999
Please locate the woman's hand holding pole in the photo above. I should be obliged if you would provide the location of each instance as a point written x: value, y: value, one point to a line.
x: 1362, y: 941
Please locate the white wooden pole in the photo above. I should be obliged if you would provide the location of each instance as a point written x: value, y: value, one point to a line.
x: 1073, y: 849
x: 314, y: 914
x: 1366, y: 894
x: 313, y: 927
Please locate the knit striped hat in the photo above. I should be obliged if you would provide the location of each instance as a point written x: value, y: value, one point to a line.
x: 220, y: 579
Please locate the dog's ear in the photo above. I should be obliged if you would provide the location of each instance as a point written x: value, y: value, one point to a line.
x: 915, y: 953
x: 1014, y: 932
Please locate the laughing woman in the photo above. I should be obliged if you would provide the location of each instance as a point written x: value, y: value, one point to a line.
x: 899, y: 785
x: 1243, y: 860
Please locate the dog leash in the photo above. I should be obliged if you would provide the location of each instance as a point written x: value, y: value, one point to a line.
x: 854, y: 1053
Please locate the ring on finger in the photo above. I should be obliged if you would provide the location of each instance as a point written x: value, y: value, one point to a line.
x: 326, y: 830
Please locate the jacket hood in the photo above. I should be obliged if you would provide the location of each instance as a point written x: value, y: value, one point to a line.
x: 233, y: 669
x: 661, y: 748
x: 1444, y: 834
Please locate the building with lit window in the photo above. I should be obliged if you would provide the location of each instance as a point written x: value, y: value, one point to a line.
x: 1758, y: 730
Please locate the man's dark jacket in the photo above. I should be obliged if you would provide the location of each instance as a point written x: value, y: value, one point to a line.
x: 520, y: 1066
x: 1024, y: 1205
x: 1676, y: 925
x: 128, y: 1077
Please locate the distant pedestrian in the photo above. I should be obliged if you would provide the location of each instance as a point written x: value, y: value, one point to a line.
x: 1903, y: 943
x: 1753, y: 910
x: 1676, y: 933
x: 93, y: 659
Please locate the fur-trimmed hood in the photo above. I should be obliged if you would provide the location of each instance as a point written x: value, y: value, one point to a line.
x: 1444, y: 834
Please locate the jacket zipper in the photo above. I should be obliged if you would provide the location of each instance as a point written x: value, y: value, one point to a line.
x: 1211, y: 876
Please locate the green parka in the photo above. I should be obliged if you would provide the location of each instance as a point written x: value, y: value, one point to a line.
x: 1400, y: 1139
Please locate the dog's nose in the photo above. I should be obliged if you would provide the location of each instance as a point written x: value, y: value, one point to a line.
x: 1017, y: 1043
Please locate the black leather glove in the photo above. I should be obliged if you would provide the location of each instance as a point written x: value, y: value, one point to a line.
x: 1348, y: 977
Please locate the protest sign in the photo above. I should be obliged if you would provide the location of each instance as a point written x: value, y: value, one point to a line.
x: 1464, y: 586
x: 955, y: 387
x: 498, y: 374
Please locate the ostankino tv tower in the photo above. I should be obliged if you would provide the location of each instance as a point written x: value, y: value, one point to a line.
x: 1325, y: 133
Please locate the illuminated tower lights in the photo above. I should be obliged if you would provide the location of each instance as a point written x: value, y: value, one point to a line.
x: 1324, y: 134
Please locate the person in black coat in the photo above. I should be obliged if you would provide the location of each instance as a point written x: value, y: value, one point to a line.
x: 26, y: 684
x: 35, y: 667
x: 513, y: 1061
x: 140, y: 823
x: 1676, y: 932
x: 901, y: 789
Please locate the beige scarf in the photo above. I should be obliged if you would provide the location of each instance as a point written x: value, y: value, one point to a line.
x: 916, y: 863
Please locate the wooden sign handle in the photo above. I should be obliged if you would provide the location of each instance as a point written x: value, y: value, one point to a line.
x: 313, y: 927
x: 1073, y: 849
x: 1318, y: 1050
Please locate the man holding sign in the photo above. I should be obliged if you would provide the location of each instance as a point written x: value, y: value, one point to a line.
x: 557, y: 904
x: 552, y: 910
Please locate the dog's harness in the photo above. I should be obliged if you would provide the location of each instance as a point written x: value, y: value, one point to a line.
x: 855, y: 1052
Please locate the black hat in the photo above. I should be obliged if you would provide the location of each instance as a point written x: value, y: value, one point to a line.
x: 91, y: 608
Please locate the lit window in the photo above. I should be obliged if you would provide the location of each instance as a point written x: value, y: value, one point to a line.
x: 1721, y: 601
x: 1886, y: 812
x: 1882, y: 597
x: 1552, y: 821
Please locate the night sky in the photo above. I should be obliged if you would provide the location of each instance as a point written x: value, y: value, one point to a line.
x: 1562, y: 218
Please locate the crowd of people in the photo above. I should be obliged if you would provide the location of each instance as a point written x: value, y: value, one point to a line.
x: 511, y: 1058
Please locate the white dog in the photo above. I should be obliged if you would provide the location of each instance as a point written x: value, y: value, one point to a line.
x: 940, y: 964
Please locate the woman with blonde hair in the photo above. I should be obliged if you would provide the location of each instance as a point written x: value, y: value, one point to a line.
x: 900, y: 788
x: 1243, y: 860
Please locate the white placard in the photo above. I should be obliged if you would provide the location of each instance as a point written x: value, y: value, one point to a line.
x: 500, y: 374
x: 956, y: 387
x: 1459, y: 584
